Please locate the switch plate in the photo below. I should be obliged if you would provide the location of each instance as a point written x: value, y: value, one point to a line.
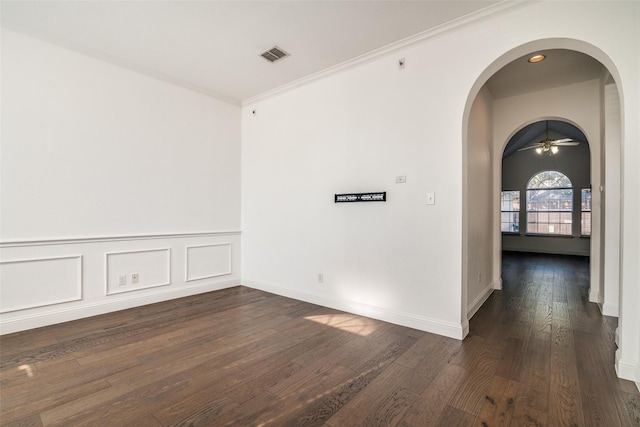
x: 401, y: 179
x: 135, y: 278
x: 122, y: 280
x: 320, y: 277
x: 431, y: 198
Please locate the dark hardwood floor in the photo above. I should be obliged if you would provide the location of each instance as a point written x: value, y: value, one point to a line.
x: 538, y: 354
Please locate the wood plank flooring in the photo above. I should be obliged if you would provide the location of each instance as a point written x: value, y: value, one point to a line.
x: 538, y: 354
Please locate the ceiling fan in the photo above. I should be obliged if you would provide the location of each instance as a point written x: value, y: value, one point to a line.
x: 548, y: 145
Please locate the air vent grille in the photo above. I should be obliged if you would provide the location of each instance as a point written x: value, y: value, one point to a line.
x: 274, y: 54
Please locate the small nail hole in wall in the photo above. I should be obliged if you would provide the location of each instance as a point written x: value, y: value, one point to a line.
x: 253, y: 112
x: 401, y: 63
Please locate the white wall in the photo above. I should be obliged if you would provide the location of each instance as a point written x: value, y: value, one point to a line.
x: 93, y: 158
x: 357, y: 129
x: 477, y: 260
x: 611, y: 283
x: 355, y: 132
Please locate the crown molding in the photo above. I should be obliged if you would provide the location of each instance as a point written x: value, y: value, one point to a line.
x: 494, y: 10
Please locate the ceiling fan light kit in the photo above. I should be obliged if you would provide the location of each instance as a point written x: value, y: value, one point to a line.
x: 550, y: 146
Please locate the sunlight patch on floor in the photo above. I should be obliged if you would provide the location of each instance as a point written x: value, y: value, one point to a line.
x: 27, y: 369
x: 347, y: 322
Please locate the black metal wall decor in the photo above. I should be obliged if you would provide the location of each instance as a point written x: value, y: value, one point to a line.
x: 361, y: 197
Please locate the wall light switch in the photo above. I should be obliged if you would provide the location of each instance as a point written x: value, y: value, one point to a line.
x: 431, y: 198
x: 401, y: 179
x: 122, y: 280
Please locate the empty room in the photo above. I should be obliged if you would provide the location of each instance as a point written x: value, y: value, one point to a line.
x: 328, y: 213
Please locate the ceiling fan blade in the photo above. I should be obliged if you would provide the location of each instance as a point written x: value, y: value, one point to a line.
x: 530, y: 147
x: 567, y: 144
x: 561, y: 140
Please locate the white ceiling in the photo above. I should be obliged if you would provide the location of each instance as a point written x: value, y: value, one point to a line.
x: 560, y: 67
x: 214, y: 46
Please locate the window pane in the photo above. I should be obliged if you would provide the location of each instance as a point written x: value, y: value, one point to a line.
x: 585, y: 221
x: 510, y: 211
x: 549, y: 179
x: 549, y: 204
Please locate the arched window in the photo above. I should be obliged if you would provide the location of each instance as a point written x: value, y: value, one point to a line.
x: 549, y: 204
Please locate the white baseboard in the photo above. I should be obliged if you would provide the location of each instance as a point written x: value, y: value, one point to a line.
x: 60, y: 315
x: 610, y: 310
x: 627, y: 370
x: 422, y: 323
x: 480, y: 299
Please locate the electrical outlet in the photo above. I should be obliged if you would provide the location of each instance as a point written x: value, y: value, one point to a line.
x: 431, y: 198
x: 401, y: 179
x: 122, y: 280
x: 320, y: 277
x: 135, y: 278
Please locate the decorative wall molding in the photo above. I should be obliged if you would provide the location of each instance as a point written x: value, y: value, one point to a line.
x: 37, y: 287
x: 449, y: 329
x: 128, y: 262
x: 214, y: 269
x: 60, y: 315
x: 102, y: 239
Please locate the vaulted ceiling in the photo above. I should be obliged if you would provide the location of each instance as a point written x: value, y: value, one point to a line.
x: 536, y: 132
x: 215, y: 46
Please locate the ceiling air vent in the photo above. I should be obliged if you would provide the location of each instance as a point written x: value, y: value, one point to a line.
x: 274, y: 54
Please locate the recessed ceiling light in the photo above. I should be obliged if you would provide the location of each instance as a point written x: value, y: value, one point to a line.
x: 537, y: 58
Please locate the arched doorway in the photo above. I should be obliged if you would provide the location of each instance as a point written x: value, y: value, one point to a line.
x: 490, y: 121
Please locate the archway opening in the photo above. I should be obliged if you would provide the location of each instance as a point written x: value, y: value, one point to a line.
x: 507, y: 98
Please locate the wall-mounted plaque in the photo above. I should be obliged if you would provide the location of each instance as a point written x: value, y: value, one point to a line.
x: 361, y: 197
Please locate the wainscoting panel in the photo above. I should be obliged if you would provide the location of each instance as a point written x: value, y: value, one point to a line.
x: 40, y: 282
x: 208, y: 261
x: 135, y: 270
x: 48, y: 281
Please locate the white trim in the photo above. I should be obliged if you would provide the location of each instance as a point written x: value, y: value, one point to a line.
x: 101, y: 239
x: 472, y: 18
x: 89, y: 310
x: 628, y: 370
x: 611, y: 310
x: 77, y: 297
x: 186, y: 262
x: 135, y: 288
x: 448, y: 329
x: 477, y: 303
